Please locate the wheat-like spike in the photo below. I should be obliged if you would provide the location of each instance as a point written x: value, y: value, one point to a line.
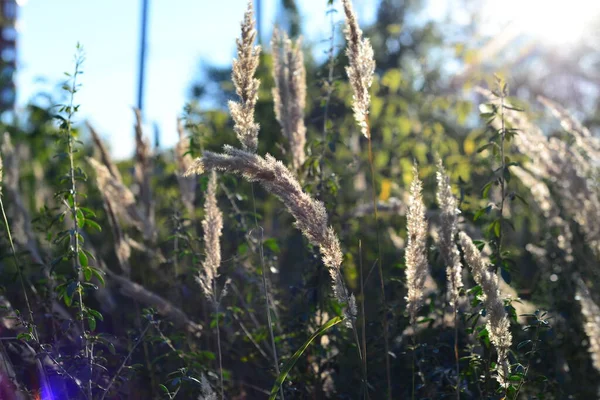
x: 447, y: 233
x: 187, y: 185
x: 119, y: 195
x: 212, y: 225
x: 416, y: 249
x: 591, y: 314
x: 550, y: 210
x: 246, y: 85
x: 207, y: 391
x: 289, y: 93
x: 574, y: 178
x: 143, y: 175
x: 310, y: 214
x: 361, y: 69
x: 498, y: 325
x: 582, y: 135
x: 104, y: 153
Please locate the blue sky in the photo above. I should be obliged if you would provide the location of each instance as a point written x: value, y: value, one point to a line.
x: 182, y: 33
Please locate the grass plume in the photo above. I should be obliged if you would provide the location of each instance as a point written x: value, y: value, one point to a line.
x: 246, y: 85
x: 498, y: 325
x: 289, y: 94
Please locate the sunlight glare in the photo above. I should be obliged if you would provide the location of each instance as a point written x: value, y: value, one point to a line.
x: 554, y: 22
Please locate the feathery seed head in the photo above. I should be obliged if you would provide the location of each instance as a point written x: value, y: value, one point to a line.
x: 498, y: 325
x: 447, y: 233
x: 212, y: 226
x: 289, y: 94
x: 246, y: 86
x: 207, y: 392
x: 361, y: 69
x: 187, y: 185
x: 310, y: 214
x: 591, y: 314
x: 119, y: 195
x: 416, y: 249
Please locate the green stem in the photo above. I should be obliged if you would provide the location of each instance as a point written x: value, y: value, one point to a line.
x: 19, y: 269
x: 363, y: 320
x: 73, y: 208
x: 219, y: 354
x: 266, y: 290
x: 456, y: 352
x: 379, y: 266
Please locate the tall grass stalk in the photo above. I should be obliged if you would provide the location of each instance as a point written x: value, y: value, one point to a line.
x: 386, y: 338
x: 449, y: 252
x: 212, y: 227
x: 360, y: 73
x: 32, y: 327
x: 246, y: 128
x: 125, y: 360
x: 265, y: 283
x: 363, y: 320
x: 415, y: 258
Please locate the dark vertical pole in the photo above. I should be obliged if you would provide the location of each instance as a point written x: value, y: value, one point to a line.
x: 142, y: 65
x: 258, y: 9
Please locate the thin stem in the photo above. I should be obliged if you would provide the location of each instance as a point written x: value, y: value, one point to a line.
x: 73, y: 208
x: 414, y: 361
x: 329, y: 82
x: 116, y: 375
x: 363, y: 319
x: 379, y: 266
x: 18, y: 266
x: 218, y: 339
x: 32, y: 326
x: 352, y: 319
x: 331, y: 63
x: 329, y: 85
x: 266, y: 290
x: 456, y: 353
x: 60, y: 367
x: 533, y: 350
x: 487, y: 373
x: 502, y: 179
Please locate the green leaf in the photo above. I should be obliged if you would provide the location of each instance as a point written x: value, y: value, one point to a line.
x: 496, y: 227
x: 26, y: 336
x: 87, y: 273
x: 83, y: 260
x: 480, y: 213
x: 519, y: 197
x: 485, y: 146
x: 87, y: 212
x: 98, y: 274
x: 522, y: 344
x: 80, y: 218
x: 486, y: 189
x: 95, y: 313
x: 164, y: 389
x: 272, y: 245
x: 506, y: 174
x: 93, y: 224
x: 292, y: 361
x: 92, y: 323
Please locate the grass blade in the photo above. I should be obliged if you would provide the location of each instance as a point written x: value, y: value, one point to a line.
x: 292, y: 361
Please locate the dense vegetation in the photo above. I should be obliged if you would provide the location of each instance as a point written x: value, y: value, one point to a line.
x: 357, y: 228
